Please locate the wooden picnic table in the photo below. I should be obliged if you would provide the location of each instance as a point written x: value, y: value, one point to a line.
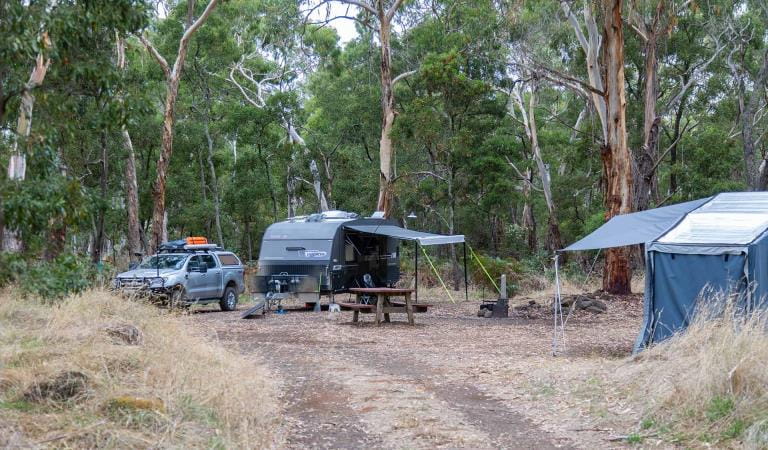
x: 383, y: 306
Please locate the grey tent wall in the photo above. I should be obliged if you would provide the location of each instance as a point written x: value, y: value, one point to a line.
x: 758, y: 273
x: 675, y: 285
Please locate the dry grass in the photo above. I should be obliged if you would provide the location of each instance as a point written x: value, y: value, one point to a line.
x: 172, y: 389
x: 708, y: 385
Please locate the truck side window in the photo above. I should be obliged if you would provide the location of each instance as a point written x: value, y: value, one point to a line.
x: 194, y: 263
x: 209, y: 261
x: 228, y: 259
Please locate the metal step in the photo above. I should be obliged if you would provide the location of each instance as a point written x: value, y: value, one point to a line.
x: 257, y: 310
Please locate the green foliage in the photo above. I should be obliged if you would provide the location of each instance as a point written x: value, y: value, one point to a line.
x: 460, y: 150
x: 51, y: 280
x: 719, y: 407
x: 495, y: 267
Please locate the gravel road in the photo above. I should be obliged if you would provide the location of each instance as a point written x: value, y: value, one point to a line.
x: 452, y: 381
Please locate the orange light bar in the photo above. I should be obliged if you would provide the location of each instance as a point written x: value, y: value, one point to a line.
x: 196, y: 240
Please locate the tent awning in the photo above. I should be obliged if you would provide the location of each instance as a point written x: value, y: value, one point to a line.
x: 408, y: 235
x: 635, y: 228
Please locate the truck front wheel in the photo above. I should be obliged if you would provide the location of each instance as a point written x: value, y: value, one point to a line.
x: 229, y: 300
x: 176, y: 298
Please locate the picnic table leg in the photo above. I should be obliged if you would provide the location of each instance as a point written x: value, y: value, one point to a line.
x: 355, y: 316
x: 379, y: 307
x: 386, y: 304
x: 409, y: 308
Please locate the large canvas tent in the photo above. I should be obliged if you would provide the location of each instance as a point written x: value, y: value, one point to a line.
x: 692, y: 251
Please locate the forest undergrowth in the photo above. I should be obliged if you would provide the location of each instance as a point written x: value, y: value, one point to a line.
x: 97, y: 370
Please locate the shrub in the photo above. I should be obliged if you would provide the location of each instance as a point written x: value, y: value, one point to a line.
x: 48, y: 280
x: 495, y: 268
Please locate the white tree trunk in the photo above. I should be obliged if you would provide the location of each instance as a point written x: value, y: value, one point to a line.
x: 131, y: 184
x: 17, y: 163
x: 172, y: 78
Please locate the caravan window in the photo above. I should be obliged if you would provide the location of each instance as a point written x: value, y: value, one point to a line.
x: 296, y: 249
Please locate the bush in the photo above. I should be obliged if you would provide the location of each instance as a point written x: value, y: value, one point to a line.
x: 495, y: 268
x: 48, y: 280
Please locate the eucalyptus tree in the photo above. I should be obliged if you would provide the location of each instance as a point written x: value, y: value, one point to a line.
x: 603, y: 51
x: 748, y: 63
x: 379, y: 16
x: 62, y: 44
x: 131, y: 184
x: 653, y: 22
x: 272, y: 65
x: 173, y: 78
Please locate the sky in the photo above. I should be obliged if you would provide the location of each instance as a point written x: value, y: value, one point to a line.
x: 344, y: 27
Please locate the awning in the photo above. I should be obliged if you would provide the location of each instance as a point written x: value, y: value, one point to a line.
x: 635, y: 228
x: 408, y: 235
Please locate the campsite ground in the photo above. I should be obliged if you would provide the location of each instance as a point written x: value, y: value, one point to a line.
x: 453, y: 380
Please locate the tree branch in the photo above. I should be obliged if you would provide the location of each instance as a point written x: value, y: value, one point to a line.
x: 359, y: 4
x: 155, y: 54
x: 393, y: 9
x: 191, y: 30
x: 403, y: 75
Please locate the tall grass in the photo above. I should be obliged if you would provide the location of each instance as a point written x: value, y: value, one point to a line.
x: 710, y: 383
x: 173, y: 389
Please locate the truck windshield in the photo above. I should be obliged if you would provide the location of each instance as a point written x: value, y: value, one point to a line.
x: 163, y: 262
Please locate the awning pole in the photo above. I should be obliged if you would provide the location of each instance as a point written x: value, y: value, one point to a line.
x: 466, y: 286
x: 416, y: 268
x: 557, y: 307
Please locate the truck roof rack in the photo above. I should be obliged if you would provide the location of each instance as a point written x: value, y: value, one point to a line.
x: 184, y: 246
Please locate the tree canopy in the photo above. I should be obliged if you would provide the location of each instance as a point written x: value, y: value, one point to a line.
x: 501, y: 120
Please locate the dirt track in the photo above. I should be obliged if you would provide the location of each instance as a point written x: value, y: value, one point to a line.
x: 454, y: 380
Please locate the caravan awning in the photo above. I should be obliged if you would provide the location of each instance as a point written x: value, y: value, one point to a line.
x: 635, y: 228
x: 408, y: 235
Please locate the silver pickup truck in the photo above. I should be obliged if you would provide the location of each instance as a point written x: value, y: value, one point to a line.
x: 187, y: 275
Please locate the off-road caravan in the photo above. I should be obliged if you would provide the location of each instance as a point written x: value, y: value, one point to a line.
x: 324, y: 254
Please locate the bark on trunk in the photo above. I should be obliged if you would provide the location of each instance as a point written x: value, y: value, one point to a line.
x: 317, y: 180
x: 173, y: 77
x: 158, y: 190
x: 317, y: 184
x: 248, y: 239
x: 646, y: 180
x: 617, y: 163
x: 135, y: 249
x: 132, y: 201
x: 215, y: 187
x: 755, y: 165
x: 455, y: 270
x: 386, y: 148
x: 529, y: 221
x: 17, y: 163
x: 554, y: 241
x: 98, y: 242
x: 675, y: 141
x: 272, y: 194
x: 290, y: 187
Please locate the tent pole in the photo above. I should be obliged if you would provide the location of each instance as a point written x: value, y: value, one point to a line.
x: 466, y: 286
x: 416, y: 268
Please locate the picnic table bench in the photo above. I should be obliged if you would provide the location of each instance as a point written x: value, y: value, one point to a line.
x: 383, y: 306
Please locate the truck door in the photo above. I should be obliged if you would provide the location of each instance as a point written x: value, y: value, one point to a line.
x: 196, y: 280
x: 213, y: 283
